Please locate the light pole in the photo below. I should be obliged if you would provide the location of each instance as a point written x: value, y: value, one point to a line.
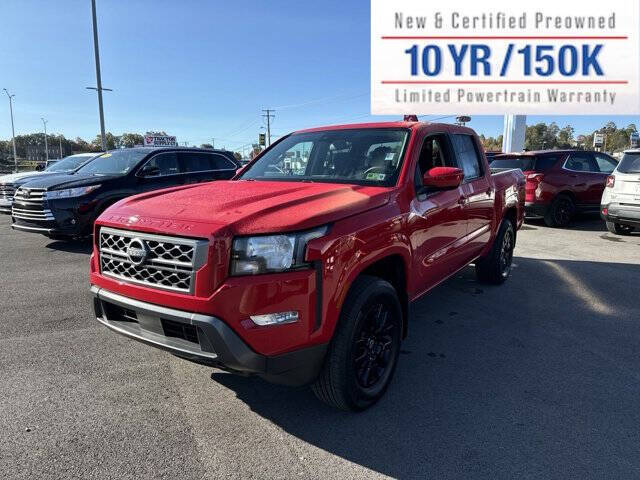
x: 13, y: 132
x: 60, y: 140
x: 46, y: 146
x: 99, y: 88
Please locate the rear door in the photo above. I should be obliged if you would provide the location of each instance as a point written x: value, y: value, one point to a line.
x: 478, y: 192
x: 437, y: 225
x: 584, y: 179
x: 201, y: 166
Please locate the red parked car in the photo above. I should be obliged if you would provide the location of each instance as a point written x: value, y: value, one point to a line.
x: 560, y: 183
x: 303, y: 269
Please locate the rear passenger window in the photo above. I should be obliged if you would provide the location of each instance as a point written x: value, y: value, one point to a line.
x: 202, y: 162
x: 580, y: 162
x: 467, y: 155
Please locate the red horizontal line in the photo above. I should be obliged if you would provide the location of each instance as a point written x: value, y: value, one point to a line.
x: 498, y: 37
x: 504, y: 82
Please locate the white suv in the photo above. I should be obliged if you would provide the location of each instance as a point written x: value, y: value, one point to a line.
x: 620, y: 205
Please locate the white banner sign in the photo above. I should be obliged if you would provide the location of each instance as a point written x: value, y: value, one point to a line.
x: 160, y: 141
x: 499, y: 56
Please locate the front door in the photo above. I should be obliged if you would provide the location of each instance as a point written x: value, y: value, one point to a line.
x: 436, y: 221
x: 161, y: 171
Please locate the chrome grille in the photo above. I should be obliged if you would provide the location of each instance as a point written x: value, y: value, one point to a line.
x: 29, y: 204
x: 7, y: 190
x: 168, y: 263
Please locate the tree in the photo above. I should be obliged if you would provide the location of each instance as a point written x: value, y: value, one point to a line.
x: 257, y: 149
x: 207, y: 145
x: 110, y: 141
x: 130, y: 140
x: 238, y: 156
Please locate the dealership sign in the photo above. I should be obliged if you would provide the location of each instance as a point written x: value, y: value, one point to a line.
x: 498, y: 56
x: 160, y: 141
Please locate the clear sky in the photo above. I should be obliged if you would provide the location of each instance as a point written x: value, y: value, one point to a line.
x: 197, y: 69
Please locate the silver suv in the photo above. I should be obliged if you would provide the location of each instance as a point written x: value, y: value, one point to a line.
x: 620, y: 205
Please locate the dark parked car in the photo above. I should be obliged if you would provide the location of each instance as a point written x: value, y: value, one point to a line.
x: 10, y: 183
x: 560, y: 183
x: 66, y: 207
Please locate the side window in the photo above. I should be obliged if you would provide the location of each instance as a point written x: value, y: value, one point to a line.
x: 165, y: 163
x: 467, y: 155
x: 546, y: 162
x: 434, y: 153
x: 203, y: 162
x: 580, y: 162
x: 605, y: 163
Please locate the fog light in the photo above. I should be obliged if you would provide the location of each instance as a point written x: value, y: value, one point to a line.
x: 275, y: 318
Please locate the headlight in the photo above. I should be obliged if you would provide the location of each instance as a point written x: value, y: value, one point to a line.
x: 70, y: 192
x: 271, y: 253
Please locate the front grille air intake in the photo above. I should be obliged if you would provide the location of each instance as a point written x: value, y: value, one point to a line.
x: 157, y: 261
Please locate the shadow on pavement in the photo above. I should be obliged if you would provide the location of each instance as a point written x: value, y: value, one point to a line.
x: 582, y: 222
x: 529, y: 379
x: 72, y: 246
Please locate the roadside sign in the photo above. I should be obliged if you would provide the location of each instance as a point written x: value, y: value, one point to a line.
x: 160, y: 141
x: 635, y: 140
x: 262, y: 139
x: 598, y: 139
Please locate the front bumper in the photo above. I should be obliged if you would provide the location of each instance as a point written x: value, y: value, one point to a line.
x: 5, y: 205
x: 203, y: 339
x: 624, y: 214
x: 63, y: 219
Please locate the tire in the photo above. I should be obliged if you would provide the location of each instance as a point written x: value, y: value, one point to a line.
x: 561, y: 212
x: 495, y: 268
x: 364, y: 350
x: 619, y: 229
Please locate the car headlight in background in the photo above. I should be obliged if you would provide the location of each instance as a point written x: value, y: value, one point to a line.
x: 70, y: 192
x: 271, y: 253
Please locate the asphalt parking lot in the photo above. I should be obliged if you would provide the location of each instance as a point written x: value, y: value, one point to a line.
x: 538, y: 378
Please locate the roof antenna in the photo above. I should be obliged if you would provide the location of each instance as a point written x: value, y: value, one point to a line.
x: 411, y: 118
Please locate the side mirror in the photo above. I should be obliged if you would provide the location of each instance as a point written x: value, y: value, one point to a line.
x: 443, y: 178
x: 150, y: 171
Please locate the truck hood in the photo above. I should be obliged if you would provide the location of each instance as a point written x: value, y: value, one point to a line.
x: 247, y: 207
x: 62, y: 181
x: 18, y: 176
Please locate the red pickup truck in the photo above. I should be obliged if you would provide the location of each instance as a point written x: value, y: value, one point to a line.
x: 303, y: 268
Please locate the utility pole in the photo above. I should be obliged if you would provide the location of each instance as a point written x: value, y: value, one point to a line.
x: 13, y: 132
x: 268, y: 114
x: 46, y: 147
x: 60, y: 140
x: 99, y: 88
x: 213, y: 143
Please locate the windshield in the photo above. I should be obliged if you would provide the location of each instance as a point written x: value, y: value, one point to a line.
x: 630, y: 163
x: 117, y: 162
x: 361, y: 157
x: 68, y: 164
